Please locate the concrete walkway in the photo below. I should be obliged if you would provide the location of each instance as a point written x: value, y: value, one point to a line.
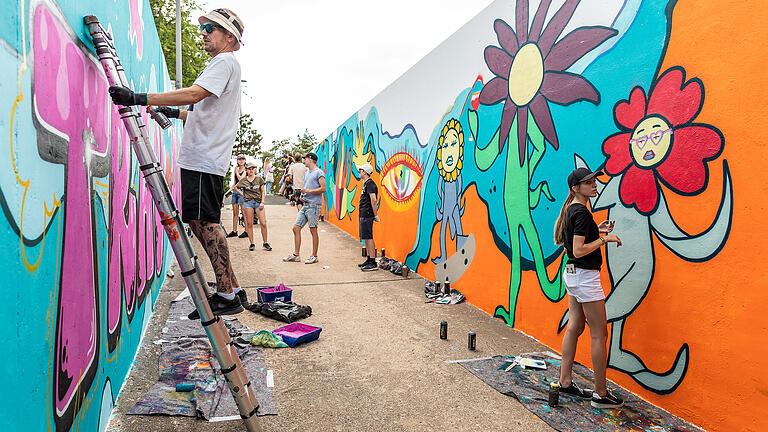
x: 379, y: 364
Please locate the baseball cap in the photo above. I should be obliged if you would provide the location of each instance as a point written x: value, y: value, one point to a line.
x: 250, y: 164
x: 227, y: 19
x: 241, y: 156
x: 311, y: 155
x: 367, y: 168
x: 581, y: 175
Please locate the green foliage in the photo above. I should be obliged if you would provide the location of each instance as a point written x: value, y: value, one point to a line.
x: 248, y: 139
x: 194, y: 58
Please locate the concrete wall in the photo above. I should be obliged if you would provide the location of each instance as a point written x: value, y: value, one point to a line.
x: 83, y: 253
x: 473, y: 144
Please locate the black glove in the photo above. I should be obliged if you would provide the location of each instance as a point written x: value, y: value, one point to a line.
x: 126, y: 97
x: 168, y: 111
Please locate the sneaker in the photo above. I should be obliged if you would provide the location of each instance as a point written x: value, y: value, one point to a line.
x: 251, y: 247
x: 267, y: 247
x: 364, y: 263
x: 574, y: 390
x: 291, y: 258
x: 243, y: 235
x: 243, y: 296
x: 311, y: 260
x: 370, y: 266
x: 220, y: 306
x: 608, y: 401
x: 232, y: 234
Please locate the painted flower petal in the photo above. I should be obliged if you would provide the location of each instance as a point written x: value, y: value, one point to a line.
x: 616, y: 147
x: 638, y: 189
x: 498, y: 61
x: 495, y: 91
x: 574, y: 45
x: 629, y: 113
x: 507, y: 117
x: 521, y: 21
x: 543, y: 118
x: 677, y: 102
x: 538, y: 20
x: 685, y: 170
x: 565, y: 88
x: 556, y: 26
x: 506, y: 36
x: 522, y: 133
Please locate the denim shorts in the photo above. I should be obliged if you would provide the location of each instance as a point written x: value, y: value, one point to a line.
x: 583, y: 284
x: 237, y: 198
x: 308, y: 214
x: 252, y: 204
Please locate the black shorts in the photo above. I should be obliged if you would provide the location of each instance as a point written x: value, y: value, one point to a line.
x: 201, y: 196
x: 366, y: 228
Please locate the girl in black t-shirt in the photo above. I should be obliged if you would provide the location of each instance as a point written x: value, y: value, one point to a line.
x: 577, y: 231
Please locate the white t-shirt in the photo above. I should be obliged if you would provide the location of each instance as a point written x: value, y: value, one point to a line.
x: 297, y: 171
x: 210, y: 129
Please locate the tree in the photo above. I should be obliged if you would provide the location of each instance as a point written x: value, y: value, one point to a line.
x: 248, y: 139
x: 306, y: 143
x: 194, y: 58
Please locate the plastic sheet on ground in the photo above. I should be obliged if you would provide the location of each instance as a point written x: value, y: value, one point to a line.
x: 282, y: 311
x: 268, y: 339
x: 430, y: 292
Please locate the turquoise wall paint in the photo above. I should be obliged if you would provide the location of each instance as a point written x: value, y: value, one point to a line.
x: 84, y: 256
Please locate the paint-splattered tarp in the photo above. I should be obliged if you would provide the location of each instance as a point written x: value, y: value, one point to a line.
x: 186, y: 358
x: 531, y: 386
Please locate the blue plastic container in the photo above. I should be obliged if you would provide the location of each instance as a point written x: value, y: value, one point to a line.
x: 297, y: 333
x: 275, y: 293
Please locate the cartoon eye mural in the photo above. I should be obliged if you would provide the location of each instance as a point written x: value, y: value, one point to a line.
x: 401, y: 180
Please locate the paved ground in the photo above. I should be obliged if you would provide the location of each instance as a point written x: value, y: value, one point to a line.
x: 379, y: 364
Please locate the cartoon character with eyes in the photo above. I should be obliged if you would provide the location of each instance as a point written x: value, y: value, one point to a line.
x: 450, y: 157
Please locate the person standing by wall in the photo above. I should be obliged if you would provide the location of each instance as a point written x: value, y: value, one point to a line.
x: 297, y: 172
x: 206, y: 148
x: 314, y: 188
x: 577, y: 231
x: 237, y: 199
x: 253, y: 188
x: 269, y: 176
x: 368, y: 211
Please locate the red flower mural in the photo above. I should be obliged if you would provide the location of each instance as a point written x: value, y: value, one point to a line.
x: 530, y: 69
x: 659, y: 142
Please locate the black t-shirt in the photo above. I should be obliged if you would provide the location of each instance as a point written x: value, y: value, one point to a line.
x: 366, y: 209
x: 579, y: 221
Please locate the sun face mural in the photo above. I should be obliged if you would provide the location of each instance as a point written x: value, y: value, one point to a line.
x: 450, y: 159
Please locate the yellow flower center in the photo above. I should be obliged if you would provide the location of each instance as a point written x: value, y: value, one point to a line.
x: 526, y: 74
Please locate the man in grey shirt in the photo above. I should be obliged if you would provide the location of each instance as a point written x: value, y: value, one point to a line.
x: 206, y: 147
x: 312, y: 196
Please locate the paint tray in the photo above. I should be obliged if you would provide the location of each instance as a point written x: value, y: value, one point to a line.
x: 275, y: 293
x: 296, y: 333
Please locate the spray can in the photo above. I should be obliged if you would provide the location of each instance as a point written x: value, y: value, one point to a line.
x: 443, y: 330
x: 405, y: 271
x: 471, y: 341
x: 554, y: 394
x: 365, y: 252
x: 447, y: 287
x: 383, y: 253
x: 438, y: 289
x: 160, y: 118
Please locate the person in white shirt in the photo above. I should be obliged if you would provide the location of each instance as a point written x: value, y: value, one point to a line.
x: 206, y: 147
x: 297, y: 171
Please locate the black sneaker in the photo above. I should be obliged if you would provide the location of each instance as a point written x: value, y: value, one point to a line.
x: 369, y: 266
x: 232, y: 234
x: 365, y: 262
x: 243, y: 235
x: 608, y: 401
x: 251, y: 247
x: 243, y: 296
x: 267, y: 247
x: 220, y: 306
x: 574, y: 390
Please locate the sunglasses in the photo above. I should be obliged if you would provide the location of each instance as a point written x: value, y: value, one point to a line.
x: 208, y: 27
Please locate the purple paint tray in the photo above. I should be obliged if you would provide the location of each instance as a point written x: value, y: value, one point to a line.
x: 296, y: 333
x: 275, y: 293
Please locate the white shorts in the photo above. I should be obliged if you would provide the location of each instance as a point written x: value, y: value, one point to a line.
x: 584, y: 285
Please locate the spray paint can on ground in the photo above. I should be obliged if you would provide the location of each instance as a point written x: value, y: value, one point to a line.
x: 554, y: 394
x: 447, y: 287
x: 405, y: 271
x: 444, y: 330
x: 472, y: 341
x: 383, y: 252
x: 365, y: 252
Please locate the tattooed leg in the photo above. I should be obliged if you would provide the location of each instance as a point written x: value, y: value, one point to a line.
x: 214, y: 241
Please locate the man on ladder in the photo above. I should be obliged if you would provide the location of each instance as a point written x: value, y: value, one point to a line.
x: 206, y: 148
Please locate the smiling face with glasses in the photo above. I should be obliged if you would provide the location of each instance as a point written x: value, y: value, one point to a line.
x: 651, y: 141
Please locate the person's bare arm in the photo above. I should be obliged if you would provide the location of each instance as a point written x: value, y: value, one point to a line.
x: 581, y: 249
x: 374, y: 204
x: 186, y: 96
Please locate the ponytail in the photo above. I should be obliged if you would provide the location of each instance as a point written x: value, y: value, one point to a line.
x: 560, y: 223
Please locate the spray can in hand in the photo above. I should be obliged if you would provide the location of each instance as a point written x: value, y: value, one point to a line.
x: 159, y: 117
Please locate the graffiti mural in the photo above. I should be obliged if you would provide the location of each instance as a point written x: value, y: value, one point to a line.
x: 87, y: 255
x: 472, y: 170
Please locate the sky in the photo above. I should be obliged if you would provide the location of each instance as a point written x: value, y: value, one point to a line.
x: 311, y: 64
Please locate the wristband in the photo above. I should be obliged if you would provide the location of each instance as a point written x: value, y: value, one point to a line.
x: 602, y: 240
